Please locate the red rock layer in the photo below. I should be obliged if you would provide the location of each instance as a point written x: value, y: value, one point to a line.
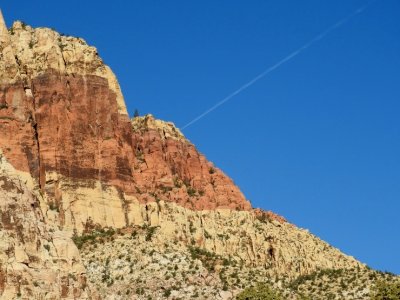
x: 70, y: 125
x: 17, y: 138
x: 170, y: 168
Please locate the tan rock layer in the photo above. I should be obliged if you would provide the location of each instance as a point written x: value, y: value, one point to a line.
x: 37, y: 261
x: 157, y: 254
x: 281, y: 247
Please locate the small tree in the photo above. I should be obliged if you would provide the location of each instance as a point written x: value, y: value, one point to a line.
x: 136, y: 113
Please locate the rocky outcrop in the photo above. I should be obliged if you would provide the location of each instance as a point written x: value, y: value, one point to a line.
x: 279, y: 246
x: 204, y: 253
x: 37, y: 261
x: 168, y: 167
x: 67, y: 131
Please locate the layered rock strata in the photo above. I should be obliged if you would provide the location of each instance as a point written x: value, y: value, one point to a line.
x: 66, y: 129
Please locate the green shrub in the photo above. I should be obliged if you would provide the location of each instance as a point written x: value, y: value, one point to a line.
x: 259, y: 292
x: 92, y: 236
x: 167, y: 293
x: 386, y: 291
x: 177, y: 183
x: 150, y: 233
x: 191, y: 191
x: 208, y: 259
x: 54, y: 206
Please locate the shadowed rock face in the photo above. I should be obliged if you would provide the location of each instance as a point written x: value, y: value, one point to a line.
x: 64, y: 124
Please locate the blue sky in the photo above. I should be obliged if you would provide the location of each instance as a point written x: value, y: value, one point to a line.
x: 317, y: 140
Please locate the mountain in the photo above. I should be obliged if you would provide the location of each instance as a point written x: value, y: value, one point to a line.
x: 95, y: 205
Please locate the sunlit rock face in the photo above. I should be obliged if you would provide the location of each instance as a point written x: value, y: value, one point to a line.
x: 36, y: 259
x: 168, y: 167
x: 66, y: 128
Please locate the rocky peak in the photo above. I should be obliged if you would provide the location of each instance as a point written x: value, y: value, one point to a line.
x: 3, y: 27
x: 40, y: 50
x: 8, y: 63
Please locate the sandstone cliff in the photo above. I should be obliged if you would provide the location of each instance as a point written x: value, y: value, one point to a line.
x: 37, y: 261
x: 168, y: 167
x: 66, y: 129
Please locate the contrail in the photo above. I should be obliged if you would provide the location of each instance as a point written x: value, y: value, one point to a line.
x: 281, y: 62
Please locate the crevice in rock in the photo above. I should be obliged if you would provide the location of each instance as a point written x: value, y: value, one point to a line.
x: 271, y: 252
x: 147, y: 214
x: 18, y: 62
x: 125, y: 206
x: 37, y: 141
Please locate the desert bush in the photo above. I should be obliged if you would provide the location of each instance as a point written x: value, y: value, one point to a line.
x: 384, y: 290
x: 259, y: 292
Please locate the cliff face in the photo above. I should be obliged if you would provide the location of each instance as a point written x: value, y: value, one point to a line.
x: 67, y: 130
x: 168, y: 167
x: 36, y: 260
